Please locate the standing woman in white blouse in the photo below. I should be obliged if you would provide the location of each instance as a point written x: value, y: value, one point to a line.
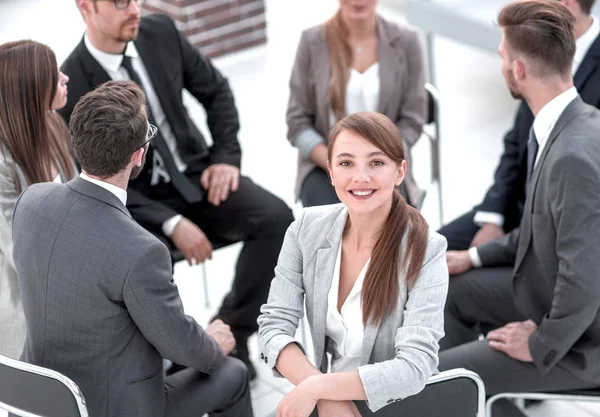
x: 374, y: 279
x: 34, y: 147
x: 356, y: 61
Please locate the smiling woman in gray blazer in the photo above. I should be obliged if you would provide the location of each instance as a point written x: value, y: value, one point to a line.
x: 374, y: 279
x: 34, y: 147
x: 356, y: 61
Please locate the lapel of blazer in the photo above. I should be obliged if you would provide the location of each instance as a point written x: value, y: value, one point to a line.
x: 324, y: 266
x: 389, y: 62
x: 565, y: 118
x: 588, y: 65
x: 94, y: 191
x: 321, y: 74
x: 150, y: 55
x: 93, y: 69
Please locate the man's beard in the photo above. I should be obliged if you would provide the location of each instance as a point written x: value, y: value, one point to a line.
x: 136, y: 171
x: 511, y: 83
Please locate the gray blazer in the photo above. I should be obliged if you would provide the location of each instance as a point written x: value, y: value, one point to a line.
x: 556, y: 252
x: 402, y: 96
x: 100, y: 301
x: 399, y: 355
x: 12, y: 319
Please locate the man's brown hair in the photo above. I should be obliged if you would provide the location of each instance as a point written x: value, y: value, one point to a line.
x: 107, y: 126
x: 542, y: 32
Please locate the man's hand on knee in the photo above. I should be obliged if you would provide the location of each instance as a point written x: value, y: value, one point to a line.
x: 219, y: 180
x: 513, y: 339
x: 192, y: 242
x: 459, y: 262
x: 221, y: 332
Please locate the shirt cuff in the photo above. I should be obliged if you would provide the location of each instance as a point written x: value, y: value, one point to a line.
x: 168, y: 227
x: 307, y: 140
x: 475, y: 259
x: 482, y: 217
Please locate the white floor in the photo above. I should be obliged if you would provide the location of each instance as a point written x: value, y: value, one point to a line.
x: 476, y: 111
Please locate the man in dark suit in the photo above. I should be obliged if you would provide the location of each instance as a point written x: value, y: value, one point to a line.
x: 190, y: 195
x: 98, y: 293
x: 545, y: 311
x: 502, y: 208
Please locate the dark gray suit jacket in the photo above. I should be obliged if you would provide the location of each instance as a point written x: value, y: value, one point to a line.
x: 99, y: 299
x: 555, y: 250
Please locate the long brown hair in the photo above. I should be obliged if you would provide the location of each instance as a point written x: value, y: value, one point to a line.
x: 340, y: 61
x: 34, y: 135
x: 381, y: 287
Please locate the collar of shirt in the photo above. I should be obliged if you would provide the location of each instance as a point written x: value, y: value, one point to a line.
x: 584, y: 42
x: 120, y: 193
x: 110, y: 62
x: 548, y: 116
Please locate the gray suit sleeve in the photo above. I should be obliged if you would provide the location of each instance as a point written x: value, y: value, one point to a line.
x: 153, y: 301
x: 574, y: 198
x: 301, y: 105
x: 500, y: 251
x: 417, y: 340
x: 8, y: 200
x: 413, y: 109
x: 284, y: 309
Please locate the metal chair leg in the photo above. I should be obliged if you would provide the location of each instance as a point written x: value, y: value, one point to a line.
x: 205, y: 284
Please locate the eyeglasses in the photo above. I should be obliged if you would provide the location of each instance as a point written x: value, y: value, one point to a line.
x: 124, y: 4
x: 152, y: 131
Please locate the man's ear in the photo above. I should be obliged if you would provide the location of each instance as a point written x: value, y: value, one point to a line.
x: 138, y: 156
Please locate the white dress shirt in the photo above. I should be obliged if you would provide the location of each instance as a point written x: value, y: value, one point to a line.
x: 120, y: 193
x: 582, y: 46
x: 345, y: 328
x: 362, y: 92
x: 543, y: 124
x: 111, y: 63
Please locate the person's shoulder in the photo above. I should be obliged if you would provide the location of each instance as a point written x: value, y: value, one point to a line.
x: 397, y: 30
x: 73, y: 60
x: 313, y: 34
x: 435, y: 241
x: 156, y: 25
x: 315, y: 222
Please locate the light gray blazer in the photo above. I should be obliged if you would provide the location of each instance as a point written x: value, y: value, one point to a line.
x: 12, y: 320
x: 399, y: 355
x: 556, y: 249
x: 402, y: 96
x: 100, y: 301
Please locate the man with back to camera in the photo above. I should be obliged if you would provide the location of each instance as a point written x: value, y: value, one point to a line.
x: 190, y: 195
x: 99, y: 299
x: 502, y: 208
x: 544, y: 311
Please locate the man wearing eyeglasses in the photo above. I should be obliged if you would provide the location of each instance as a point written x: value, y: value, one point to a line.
x: 190, y: 195
x: 99, y: 299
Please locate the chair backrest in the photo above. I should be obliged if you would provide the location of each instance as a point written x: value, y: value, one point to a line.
x: 453, y: 393
x: 432, y: 103
x: 31, y: 391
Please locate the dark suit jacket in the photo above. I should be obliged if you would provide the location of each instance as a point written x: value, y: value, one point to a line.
x: 173, y: 65
x: 507, y: 194
x: 99, y: 299
x: 555, y: 250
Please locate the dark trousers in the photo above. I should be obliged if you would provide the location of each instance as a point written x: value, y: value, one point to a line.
x: 460, y: 232
x: 224, y: 394
x: 250, y: 215
x: 317, y: 189
x: 478, y: 301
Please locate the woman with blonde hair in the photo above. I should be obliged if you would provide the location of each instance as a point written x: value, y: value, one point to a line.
x: 34, y: 147
x: 374, y: 279
x: 356, y: 61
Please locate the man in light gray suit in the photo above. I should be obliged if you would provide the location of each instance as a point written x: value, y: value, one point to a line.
x: 545, y: 309
x: 98, y: 295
